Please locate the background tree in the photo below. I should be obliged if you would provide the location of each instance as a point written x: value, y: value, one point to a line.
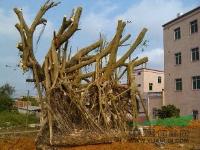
x: 6, y: 92
x: 7, y: 89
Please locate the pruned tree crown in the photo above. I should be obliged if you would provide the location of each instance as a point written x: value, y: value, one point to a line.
x: 100, y: 103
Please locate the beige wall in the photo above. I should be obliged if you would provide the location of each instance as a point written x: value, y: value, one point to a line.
x: 187, y: 99
x: 154, y: 102
x: 149, y: 76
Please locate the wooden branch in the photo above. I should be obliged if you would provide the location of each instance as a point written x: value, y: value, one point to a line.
x: 132, y: 48
x: 86, y: 50
x: 87, y: 57
x: 38, y: 18
x: 124, y: 39
x: 102, y: 54
x: 47, y: 76
x: 26, y: 44
x: 106, y: 51
x: 56, y: 67
x: 140, y: 61
x: 121, y: 75
x: 22, y: 34
x: 131, y: 83
x: 65, y: 24
x: 136, y: 63
x: 143, y: 105
x: 71, y: 29
x: 113, y: 46
x: 20, y: 46
x: 21, y: 19
x: 64, y: 56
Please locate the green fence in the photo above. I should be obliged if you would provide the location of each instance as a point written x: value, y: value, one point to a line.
x: 175, y: 121
x: 168, y: 122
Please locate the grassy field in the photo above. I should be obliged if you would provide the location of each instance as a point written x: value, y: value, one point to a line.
x: 14, y: 118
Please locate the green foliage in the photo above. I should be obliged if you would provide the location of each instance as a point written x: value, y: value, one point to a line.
x: 14, y: 118
x: 168, y: 112
x: 7, y: 89
x: 6, y: 101
x: 10, y: 117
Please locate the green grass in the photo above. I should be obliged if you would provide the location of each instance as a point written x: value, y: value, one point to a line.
x: 14, y: 118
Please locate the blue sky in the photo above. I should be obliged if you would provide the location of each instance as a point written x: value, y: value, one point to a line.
x: 98, y: 16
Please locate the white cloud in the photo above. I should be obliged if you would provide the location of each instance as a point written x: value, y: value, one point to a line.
x: 7, y: 22
x: 155, y: 57
x: 103, y: 18
x: 151, y: 14
x: 96, y: 22
x: 9, y: 37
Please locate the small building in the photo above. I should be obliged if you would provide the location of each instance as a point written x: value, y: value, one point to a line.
x: 150, y: 83
x: 182, y: 61
x: 20, y: 103
x: 26, y: 107
x: 30, y: 110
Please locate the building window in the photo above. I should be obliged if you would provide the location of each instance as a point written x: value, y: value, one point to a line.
x: 193, y: 26
x: 139, y: 73
x: 178, y: 84
x: 159, y: 79
x: 177, y: 33
x: 195, y: 54
x: 150, y: 86
x: 196, y: 82
x: 139, y: 85
x: 178, y: 58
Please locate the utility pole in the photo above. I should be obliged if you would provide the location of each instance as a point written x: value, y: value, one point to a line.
x: 27, y: 110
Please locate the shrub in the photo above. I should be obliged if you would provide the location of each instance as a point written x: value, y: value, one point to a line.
x: 6, y: 101
x: 168, y: 112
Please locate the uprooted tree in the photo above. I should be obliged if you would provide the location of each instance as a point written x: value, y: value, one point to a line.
x: 80, y: 105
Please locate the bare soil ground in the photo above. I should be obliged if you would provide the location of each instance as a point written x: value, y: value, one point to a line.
x: 17, y: 143
x: 26, y: 142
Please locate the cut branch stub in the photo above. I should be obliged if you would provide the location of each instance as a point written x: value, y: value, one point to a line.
x: 71, y: 29
x: 38, y: 18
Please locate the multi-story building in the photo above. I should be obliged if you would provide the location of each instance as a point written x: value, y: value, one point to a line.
x: 181, y: 61
x: 150, y: 83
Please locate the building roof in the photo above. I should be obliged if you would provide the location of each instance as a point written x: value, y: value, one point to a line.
x: 30, y: 108
x: 148, y: 69
x: 181, y: 16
